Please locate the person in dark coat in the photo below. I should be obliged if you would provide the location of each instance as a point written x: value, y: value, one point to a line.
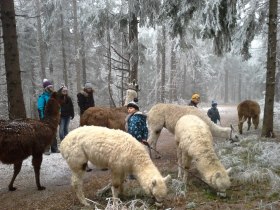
x: 195, y: 100
x: 85, y: 98
x: 136, y: 122
x: 67, y: 112
x: 213, y: 113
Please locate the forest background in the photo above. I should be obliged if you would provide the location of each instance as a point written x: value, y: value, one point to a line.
x: 172, y: 49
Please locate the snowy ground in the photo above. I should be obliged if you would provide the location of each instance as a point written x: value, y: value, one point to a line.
x: 55, y: 172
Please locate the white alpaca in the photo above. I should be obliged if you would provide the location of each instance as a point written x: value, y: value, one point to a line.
x: 194, y: 142
x: 113, y: 149
x: 167, y: 115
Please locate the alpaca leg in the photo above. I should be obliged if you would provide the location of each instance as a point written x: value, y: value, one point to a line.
x: 17, y: 168
x: 36, y: 162
x: 117, y: 185
x: 249, y: 123
x: 77, y: 184
x: 179, y: 158
x: 240, y: 125
x: 187, y: 164
x: 153, y: 138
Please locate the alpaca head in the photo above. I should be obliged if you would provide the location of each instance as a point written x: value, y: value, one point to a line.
x: 158, y: 188
x: 220, y: 180
x: 233, y: 136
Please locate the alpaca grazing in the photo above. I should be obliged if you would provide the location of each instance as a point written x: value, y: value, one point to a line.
x: 108, y: 117
x: 167, y: 115
x: 194, y: 142
x: 21, y: 138
x: 115, y: 150
x: 246, y: 110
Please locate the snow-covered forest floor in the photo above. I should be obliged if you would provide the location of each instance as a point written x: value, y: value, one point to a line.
x: 255, y: 177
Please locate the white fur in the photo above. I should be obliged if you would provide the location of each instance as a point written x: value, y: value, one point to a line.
x: 113, y: 149
x: 167, y: 115
x: 195, y: 142
x: 130, y: 95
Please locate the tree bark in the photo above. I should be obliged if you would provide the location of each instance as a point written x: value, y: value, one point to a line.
x: 162, y: 75
x: 133, y: 41
x: 40, y: 41
x: 76, y: 43
x: 267, y: 129
x: 65, y: 73
x: 15, y: 95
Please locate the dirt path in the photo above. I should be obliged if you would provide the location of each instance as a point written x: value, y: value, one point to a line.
x: 55, y: 176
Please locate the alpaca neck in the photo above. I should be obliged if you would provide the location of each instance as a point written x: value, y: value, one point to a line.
x: 219, y: 131
x: 208, y: 164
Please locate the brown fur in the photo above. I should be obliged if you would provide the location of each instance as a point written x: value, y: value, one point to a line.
x: 246, y: 110
x: 21, y: 138
x: 113, y: 118
x: 105, y: 116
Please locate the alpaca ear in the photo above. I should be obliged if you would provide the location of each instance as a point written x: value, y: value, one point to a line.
x: 167, y: 178
x: 229, y: 170
x: 154, y: 182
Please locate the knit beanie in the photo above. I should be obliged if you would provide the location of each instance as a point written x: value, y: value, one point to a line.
x: 133, y: 104
x: 47, y: 84
x: 88, y: 85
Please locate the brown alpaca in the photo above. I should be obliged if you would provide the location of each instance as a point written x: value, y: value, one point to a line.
x: 108, y: 117
x: 21, y: 138
x: 246, y: 110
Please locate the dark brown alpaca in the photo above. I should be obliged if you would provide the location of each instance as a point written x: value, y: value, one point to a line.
x: 108, y: 117
x: 21, y: 138
x: 248, y: 110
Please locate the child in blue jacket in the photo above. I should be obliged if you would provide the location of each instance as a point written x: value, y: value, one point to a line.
x: 136, y: 122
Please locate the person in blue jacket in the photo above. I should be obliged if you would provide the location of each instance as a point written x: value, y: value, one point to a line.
x: 136, y: 122
x: 41, y: 103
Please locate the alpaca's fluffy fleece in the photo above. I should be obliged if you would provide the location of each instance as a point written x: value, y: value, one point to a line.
x: 167, y: 115
x: 246, y: 110
x: 195, y: 142
x: 113, y: 149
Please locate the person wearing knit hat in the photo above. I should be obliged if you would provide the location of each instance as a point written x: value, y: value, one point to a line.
x: 195, y: 100
x: 136, y: 122
x: 66, y: 111
x: 85, y: 98
x: 213, y: 112
x: 41, y: 103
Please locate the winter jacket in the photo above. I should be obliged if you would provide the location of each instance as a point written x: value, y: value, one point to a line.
x: 85, y: 101
x: 41, y: 103
x: 137, y: 127
x: 214, y: 115
x: 67, y: 109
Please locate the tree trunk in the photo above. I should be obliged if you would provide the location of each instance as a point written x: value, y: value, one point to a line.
x: 76, y: 43
x: 267, y: 129
x: 83, y: 55
x: 109, y: 54
x: 162, y: 75
x: 65, y: 74
x: 133, y: 41
x: 158, y: 67
x: 226, y: 85
x: 15, y: 95
x: 173, y: 86
x: 40, y: 41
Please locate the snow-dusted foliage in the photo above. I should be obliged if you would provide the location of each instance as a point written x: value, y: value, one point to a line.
x: 254, y: 160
